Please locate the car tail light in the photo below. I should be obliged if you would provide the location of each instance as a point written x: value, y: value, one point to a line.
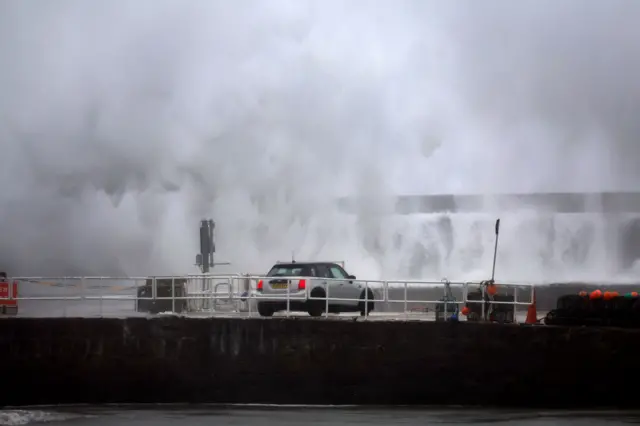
x: 302, y: 284
x: 259, y: 286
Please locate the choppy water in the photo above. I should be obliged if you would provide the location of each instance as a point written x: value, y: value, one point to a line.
x: 302, y: 416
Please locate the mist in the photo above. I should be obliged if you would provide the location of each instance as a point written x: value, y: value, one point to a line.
x: 123, y: 124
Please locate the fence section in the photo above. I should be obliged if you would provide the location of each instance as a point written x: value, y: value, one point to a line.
x: 247, y: 295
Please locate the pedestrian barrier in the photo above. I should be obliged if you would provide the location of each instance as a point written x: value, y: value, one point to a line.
x: 236, y: 295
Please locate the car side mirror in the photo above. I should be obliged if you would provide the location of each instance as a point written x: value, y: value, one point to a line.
x: 351, y: 277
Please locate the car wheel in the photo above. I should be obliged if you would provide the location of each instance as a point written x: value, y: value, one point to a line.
x: 366, y: 307
x: 315, y: 307
x: 265, y: 310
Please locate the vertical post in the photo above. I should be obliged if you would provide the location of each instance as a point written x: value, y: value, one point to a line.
x: 288, y: 297
x: 326, y: 307
x: 236, y: 286
x: 234, y: 294
x: 9, y: 293
x: 9, y: 288
x: 154, y: 290
x: 515, y: 304
x: 82, y: 291
x: 446, y: 302
x: 64, y: 302
x: 465, y: 295
x: 250, y: 298
x: 483, y: 301
x: 385, y: 293
x: 213, y: 297
x: 212, y: 290
x: 366, y: 299
x: 173, y: 295
x: 406, y: 314
x: 495, y: 251
x: 200, y: 299
x: 136, y: 298
x: 100, y: 295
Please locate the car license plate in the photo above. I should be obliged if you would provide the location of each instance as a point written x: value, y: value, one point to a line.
x: 279, y: 286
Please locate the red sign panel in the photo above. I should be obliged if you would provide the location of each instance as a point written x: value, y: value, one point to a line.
x: 4, y: 294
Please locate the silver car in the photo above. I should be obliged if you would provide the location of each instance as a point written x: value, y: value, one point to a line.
x: 306, y: 285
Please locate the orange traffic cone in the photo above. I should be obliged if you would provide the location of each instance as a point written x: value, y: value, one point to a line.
x: 532, y: 312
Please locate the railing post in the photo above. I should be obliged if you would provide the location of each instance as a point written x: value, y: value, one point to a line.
x: 406, y: 313
x: 250, y: 298
x: 232, y: 294
x: 213, y: 296
x: 64, y: 302
x: 173, y: 294
x: 385, y: 293
x: 465, y: 294
x: 154, y: 289
x: 10, y: 282
x: 100, y: 296
x: 288, y: 298
x: 446, y: 302
x: 326, y: 306
x: 482, y: 300
x: 238, y: 290
x: 212, y: 292
x: 203, y: 297
x: 366, y: 300
x: 515, y: 304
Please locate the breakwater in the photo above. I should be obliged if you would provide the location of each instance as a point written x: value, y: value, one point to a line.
x: 314, y: 361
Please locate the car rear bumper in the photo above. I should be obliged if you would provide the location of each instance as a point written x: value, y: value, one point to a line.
x: 278, y: 296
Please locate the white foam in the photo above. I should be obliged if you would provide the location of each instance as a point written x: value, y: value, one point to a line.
x: 533, y: 247
x: 15, y: 417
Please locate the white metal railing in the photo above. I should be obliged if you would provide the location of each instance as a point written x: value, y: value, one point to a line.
x: 226, y: 294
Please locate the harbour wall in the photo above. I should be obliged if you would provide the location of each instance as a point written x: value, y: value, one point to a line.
x: 314, y: 361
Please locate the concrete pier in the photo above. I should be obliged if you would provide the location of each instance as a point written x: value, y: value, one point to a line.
x: 314, y: 361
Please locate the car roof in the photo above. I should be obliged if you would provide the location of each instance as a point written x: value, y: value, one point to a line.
x: 294, y: 264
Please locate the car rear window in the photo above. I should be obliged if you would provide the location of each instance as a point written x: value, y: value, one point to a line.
x: 289, y: 271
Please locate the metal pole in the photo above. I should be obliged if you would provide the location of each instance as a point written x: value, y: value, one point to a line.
x: 82, y: 289
x: 406, y: 314
x: 64, y: 304
x: 385, y: 286
x: 495, y: 251
x: 250, y: 299
x: 515, y: 304
x: 288, y: 298
x: 366, y: 299
x: 446, y: 300
x: 465, y: 295
x: 173, y: 295
x: 482, y: 300
x: 326, y: 307
x: 100, y: 294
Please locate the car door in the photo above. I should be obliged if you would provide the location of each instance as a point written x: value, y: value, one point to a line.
x: 345, y: 289
x: 334, y: 288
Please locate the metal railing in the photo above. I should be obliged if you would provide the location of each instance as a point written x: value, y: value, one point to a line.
x: 236, y: 294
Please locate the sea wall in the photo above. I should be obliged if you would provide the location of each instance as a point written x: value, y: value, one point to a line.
x: 314, y: 361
